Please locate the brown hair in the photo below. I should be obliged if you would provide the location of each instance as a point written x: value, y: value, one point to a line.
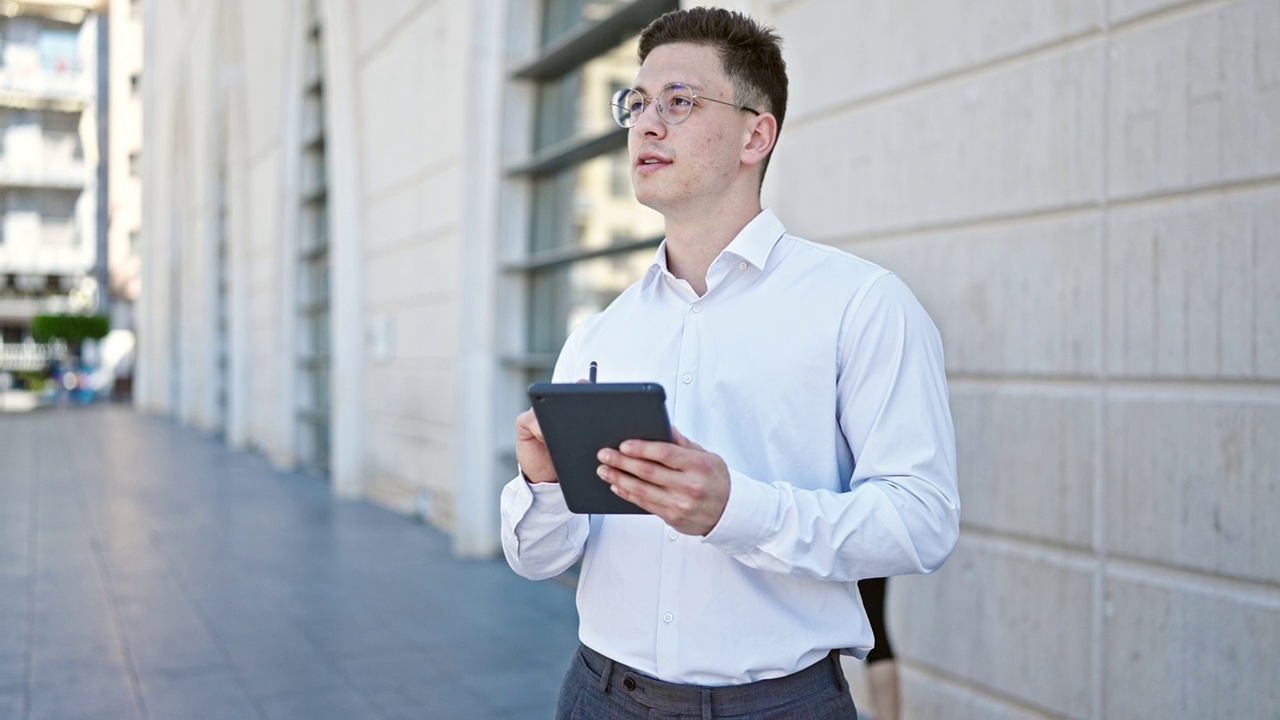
x: 750, y: 53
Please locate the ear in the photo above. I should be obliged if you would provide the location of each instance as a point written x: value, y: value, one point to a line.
x: 762, y: 132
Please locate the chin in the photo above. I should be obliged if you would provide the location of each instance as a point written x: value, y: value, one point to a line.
x: 650, y: 197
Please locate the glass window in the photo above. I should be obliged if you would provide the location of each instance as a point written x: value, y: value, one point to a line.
x: 581, y: 207
x: 587, y: 237
x: 562, y: 296
x: 576, y: 104
x: 312, y: 292
x: 57, y: 50
x: 559, y: 17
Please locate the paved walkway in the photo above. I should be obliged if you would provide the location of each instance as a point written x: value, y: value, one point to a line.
x: 148, y: 571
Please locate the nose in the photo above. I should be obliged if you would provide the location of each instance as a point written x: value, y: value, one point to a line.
x: 648, y: 122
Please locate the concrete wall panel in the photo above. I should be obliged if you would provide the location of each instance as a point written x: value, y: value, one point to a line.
x: 828, y: 71
x: 410, y: 389
x: 1179, y: 652
x: 1121, y: 11
x: 419, y: 271
x: 1195, y: 99
x: 1026, y: 461
x: 266, y: 341
x: 1193, y: 482
x: 265, y: 45
x: 1023, y: 298
x: 423, y: 208
x: 412, y: 116
x: 925, y: 695
x: 376, y: 24
x: 930, y: 158
x: 1018, y: 625
x: 1191, y: 288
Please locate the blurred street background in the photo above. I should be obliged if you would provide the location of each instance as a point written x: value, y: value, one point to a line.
x: 274, y: 276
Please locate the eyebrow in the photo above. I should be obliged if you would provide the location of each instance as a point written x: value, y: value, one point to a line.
x: 694, y: 86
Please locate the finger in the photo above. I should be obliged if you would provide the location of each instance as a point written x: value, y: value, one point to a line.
x: 652, y: 497
x: 527, y: 426
x: 683, y: 441
x: 644, y: 470
x: 663, y: 456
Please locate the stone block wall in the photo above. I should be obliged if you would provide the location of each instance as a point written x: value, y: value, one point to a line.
x: 1084, y: 196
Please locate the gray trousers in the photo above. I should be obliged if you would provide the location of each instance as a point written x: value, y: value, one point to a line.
x: 597, y: 688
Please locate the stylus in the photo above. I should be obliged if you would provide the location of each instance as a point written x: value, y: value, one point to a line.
x: 591, y: 373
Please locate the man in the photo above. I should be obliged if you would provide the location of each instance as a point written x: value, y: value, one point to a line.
x: 813, y: 384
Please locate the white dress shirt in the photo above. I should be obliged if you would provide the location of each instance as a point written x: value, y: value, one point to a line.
x: 819, y: 379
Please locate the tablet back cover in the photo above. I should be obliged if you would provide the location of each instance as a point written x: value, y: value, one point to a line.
x: 578, y: 419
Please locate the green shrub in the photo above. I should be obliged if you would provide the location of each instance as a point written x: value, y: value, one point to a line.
x: 70, y: 328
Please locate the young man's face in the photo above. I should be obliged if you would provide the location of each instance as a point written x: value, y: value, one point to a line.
x: 687, y: 167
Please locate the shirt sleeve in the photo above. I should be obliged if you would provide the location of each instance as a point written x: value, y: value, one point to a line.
x: 901, y: 513
x: 541, y: 538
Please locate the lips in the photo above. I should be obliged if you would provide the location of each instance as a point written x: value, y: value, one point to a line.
x: 651, y: 162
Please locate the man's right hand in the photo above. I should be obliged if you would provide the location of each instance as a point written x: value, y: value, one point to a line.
x: 531, y: 450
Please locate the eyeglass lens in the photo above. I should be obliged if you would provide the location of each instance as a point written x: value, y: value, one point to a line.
x: 675, y: 102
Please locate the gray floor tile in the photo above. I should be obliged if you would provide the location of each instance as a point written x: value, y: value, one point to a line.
x: 208, y: 696
x: 231, y: 590
x: 323, y: 706
x: 11, y: 703
x: 97, y: 699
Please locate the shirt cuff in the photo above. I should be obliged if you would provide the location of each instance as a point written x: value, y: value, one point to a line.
x: 747, y: 517
x: 547, y: 497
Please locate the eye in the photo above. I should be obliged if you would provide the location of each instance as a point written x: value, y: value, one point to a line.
x: 681, y: 102
x: 635, y: 106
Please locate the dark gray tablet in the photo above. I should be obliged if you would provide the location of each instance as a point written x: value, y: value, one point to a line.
x: 578, y: 419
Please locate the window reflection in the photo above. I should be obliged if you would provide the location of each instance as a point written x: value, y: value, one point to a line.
x: 576, y: 104
x: 561, y: 16
x: 565, y: 295
x: 589, y: 206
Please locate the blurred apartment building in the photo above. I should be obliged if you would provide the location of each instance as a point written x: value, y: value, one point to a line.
x: 368, y: 225
x: 48, y: 161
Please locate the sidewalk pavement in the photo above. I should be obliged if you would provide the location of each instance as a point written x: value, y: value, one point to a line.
x: 149, y: 572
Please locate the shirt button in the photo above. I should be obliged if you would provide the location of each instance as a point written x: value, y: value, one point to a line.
x: 697, y: 308
x: 668, y: 618
x: 742, y: 266
x: 672, y: 534
x: 687, y: 379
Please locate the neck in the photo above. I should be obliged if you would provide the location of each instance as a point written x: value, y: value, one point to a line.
x: 694, y: 240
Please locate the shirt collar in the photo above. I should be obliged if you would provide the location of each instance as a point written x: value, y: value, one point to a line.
x: 757, y: 239
x: 753, y: 244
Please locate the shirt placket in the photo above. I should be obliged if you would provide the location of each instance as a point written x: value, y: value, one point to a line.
x: 671, y: 565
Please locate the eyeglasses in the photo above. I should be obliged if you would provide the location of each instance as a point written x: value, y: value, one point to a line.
x: 674, y: 102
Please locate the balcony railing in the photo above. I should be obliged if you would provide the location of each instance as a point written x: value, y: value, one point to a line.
x: 64, y: 174
x: 28, y: 357
x: 35, y: 87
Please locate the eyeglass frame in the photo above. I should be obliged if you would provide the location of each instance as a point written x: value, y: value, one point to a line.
x: 645, y: 102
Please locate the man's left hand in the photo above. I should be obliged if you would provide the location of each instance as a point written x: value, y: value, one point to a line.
x: 679, y: 482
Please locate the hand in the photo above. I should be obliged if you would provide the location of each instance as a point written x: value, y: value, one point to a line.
x: 679, y: 482
x: 531, y: 450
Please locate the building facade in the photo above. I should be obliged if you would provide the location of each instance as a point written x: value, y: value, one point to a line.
x: 367, y: 226
x: 48, y: 161
x: 124, y: 159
